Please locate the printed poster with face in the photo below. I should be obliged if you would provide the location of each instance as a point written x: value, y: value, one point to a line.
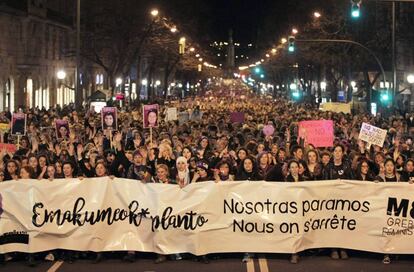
x: 18, y: 124
x: 62, y: 129
x: 151, y: 115
x: 109, y: 118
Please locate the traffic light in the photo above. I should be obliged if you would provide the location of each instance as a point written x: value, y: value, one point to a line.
x: 385, y: 98
x: 356, y: 8
x: 291, y: 44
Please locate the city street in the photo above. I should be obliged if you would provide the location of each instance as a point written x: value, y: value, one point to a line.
x: 229, y: 263
x: 239, y: 126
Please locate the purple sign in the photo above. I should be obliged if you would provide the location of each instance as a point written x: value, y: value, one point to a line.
x: 237, y: 117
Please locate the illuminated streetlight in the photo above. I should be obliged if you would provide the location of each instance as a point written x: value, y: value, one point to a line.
x: 274, y: 51
x: 157, y: 83
x: 283, y: 40
x: 295, y: 31
x: 192, y: 49
x: 410, y: 78
x: 61, y: 74
x: 144, y: 82
x: 154, y: 12
x: 118, y: 81
x: 317, y: 14
x: 174, y: 29
x: 197, y: 55
x: 267, y: 56
x: 200, y: 59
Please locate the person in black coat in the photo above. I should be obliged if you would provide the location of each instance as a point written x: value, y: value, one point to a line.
x: 248, y: 170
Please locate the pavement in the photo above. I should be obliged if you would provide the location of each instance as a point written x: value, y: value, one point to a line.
x: 320, y: 262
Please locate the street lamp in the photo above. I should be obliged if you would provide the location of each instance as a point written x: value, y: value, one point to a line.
x: 317, y: 14
x: 174, y: 29
x: 118, y: 81
x: 410, y: 78
x: 283, y: 40
x: 144, y: 82
x: 154, y: 12
x: 295, y: 31
x: 61, y: 74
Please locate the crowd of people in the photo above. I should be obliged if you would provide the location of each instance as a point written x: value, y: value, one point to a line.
x: 204, y: 145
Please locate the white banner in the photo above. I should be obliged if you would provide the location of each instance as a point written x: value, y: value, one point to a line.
x: 109, y: 215
x: 372, y: 134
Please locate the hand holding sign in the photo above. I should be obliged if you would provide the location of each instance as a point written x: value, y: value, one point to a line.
x: 318, y: 133
x: 372, y: 135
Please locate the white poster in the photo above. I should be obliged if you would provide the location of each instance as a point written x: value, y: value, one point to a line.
x: 172, y: 114
x: 372, y: 134
x: 101, y: 214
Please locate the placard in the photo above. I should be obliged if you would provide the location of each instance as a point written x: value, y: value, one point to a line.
x: 319, y: 133
x: 372, y: 134
x: 109, y: 118
x: 62, y: 129
x: 237, y: 117
x: 150, y: 113
x: 172, y: 114
x: 18, y: 124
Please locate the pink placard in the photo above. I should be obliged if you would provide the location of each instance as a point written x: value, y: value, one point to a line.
x: 320, y: 133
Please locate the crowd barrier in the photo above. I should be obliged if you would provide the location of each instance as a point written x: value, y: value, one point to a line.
x: 101, y: 214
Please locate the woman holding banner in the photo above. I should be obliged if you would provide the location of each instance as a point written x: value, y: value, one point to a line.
x: 338, y: 168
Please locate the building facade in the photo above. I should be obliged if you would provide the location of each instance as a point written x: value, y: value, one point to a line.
x: 38, y: 40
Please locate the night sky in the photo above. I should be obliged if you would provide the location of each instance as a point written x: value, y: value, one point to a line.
x: 260, y: 22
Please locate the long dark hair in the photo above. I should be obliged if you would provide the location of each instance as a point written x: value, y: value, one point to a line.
x: 7, y: 175
x: 369, y: 175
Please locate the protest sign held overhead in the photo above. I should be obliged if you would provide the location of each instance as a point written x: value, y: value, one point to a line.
x: 319, y: 133
x: 237, y: 117
x: 62, y: 129
x: 18, y: 124
x: 372, y: 134
x: 109, y: 118
x: 172, y: 114
x: 150, y: 113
